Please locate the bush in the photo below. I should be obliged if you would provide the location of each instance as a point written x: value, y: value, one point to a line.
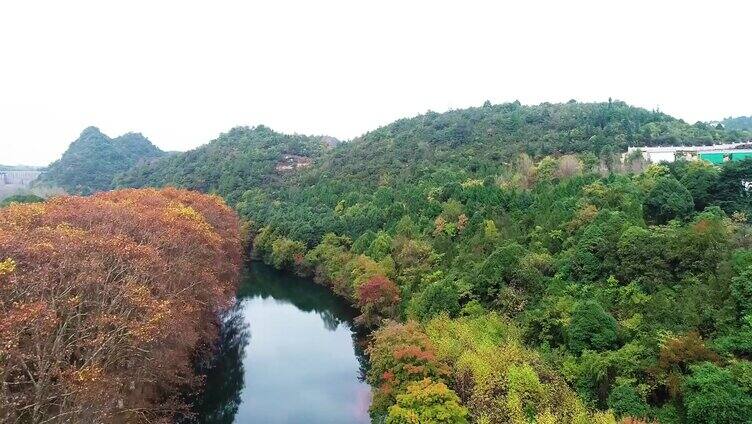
x: 378, y: 299
x: 400, y: 354
x: 20, y: 198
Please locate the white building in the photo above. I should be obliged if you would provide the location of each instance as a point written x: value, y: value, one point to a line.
x: 658, y: 154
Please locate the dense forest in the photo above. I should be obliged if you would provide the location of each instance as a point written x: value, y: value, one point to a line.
x: 742, y: 123
x: 517, y: 269
x: 92, y: 161
x: 92, y: 290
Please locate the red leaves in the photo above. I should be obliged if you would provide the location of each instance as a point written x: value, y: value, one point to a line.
x: 415, y: 353
x: 107, y: 298
x: 378, y: 299
x: 378, y: 289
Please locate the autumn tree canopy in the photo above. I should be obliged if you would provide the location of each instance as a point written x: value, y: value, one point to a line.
x: 105, y: 299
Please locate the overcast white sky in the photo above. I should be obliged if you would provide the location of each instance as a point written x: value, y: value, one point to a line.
x: 182, y: 72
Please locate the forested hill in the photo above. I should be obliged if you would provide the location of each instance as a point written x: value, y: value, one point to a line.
x: 552, y: 128
x: 535, y: 274
x: 738, y: 123
x: 242, y: 158
x: 514, y: 268
x: 404, y: 159
x: 91, y: 162
x: 482, y: 138
x: 410, y: 156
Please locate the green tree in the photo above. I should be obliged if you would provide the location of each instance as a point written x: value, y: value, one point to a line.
x: 361, y: 244
x: 642, y: 253
x: 498, y: 270
x: 285, y: 253
x: 21, y: 198
x: 667, y: 200
x: 741, y: 292
x: 438, y: 297
x: 546, y: 169
x: 700, y: 178
x: 730, y: 192
x: 625, y: 401
x: 381, y: 246
x: 591, y: 328
x: 406, y: 227
x: 595, y: 255
x: 712, y: 396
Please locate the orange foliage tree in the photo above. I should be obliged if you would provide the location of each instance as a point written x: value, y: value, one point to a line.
x: 401, y: 354
x: 104, y: 301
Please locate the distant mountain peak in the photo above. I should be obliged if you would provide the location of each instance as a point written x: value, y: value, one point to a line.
x: 91, y: 162
x: 90, y: 131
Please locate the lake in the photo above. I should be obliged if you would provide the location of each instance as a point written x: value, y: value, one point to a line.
x: 288, y: 353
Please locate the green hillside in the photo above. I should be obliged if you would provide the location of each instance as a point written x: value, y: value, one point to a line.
x: 92, y: 161
x: 741, y: 123
x: 241, y: 158
x: 387, y: 171
x: 515, y: 258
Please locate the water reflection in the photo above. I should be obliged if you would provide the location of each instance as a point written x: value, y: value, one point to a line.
x: 288, y: 354
x: 224, y: 375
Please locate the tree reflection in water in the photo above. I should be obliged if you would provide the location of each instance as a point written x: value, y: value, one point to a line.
x: 222, y: 397
x: 220, y: 400
x: 266, y: 282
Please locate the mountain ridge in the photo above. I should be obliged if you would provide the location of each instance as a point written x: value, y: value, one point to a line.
x: 92, y: 160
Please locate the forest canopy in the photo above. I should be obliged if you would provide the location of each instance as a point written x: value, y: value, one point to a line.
x: 241, y: 158
x: 92, y: 290
x: 579, y: 285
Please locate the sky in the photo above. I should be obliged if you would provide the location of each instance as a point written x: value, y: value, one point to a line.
x: 183, y: 72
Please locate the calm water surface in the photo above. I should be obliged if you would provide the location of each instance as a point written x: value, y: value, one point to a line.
x: 288, y: 354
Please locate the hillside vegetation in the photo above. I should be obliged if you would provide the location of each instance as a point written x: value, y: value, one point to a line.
x: 20, y: 168
x: 515, y: 270
x: 241, y: 158
x: 389, y: 171
x: 92, y: 161
x: 741, y: 123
